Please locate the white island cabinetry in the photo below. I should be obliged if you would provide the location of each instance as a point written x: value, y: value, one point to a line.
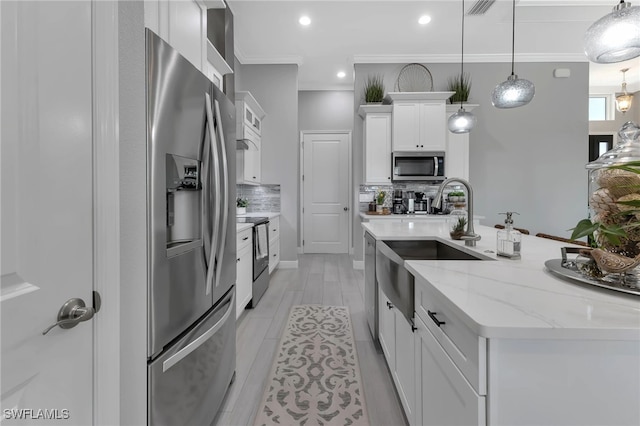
x: 503, y: 342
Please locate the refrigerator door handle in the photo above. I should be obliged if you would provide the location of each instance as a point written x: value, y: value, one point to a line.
x: 182, y: 353
x: 212, y: 269
x: 225, y: 185
x: 206, y: 197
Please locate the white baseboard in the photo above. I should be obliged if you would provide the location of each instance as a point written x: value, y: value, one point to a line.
x: 358, y: 264
x: 288, y: 264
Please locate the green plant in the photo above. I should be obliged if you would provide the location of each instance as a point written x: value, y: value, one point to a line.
x: 380, y: 197
x: 461, y: 84
x: 242, y: 202
x: 456, y: 194
x: 457, y: 231
x: 374, y: 88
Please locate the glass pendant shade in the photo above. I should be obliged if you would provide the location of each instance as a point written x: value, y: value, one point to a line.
x: 614, y: 37
x: 512, y: 93
x: 461, y: 122
x: 623, y: 102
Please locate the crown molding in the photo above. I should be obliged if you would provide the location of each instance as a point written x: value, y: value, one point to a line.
x: 475, y: 58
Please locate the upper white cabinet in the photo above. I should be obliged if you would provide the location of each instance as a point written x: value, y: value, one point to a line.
x: 249, y: 116
x: 183, y: 24
x: 419, y: 120
x: 377, y: 143
x: 457, y: 157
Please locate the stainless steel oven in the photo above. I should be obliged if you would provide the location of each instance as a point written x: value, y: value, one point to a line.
x: 418, y: 166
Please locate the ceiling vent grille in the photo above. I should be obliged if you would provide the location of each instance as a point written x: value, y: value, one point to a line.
x: 480, y: 7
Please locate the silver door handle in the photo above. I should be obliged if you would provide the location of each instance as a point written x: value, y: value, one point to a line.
x: 73, y: 312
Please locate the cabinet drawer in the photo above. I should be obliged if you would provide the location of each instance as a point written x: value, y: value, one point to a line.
x: 467, y: 350
x: 243, y: 239
x: 274, y: 228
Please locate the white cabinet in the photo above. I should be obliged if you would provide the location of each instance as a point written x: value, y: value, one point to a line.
x: 274, y: 243
x: 457, y: 152
x: 183, y: 24
x: 249, y: 116
x: 377, y: 143
x: 444, y: 396
x: 244, y: 268
x: 397, y: 342
x: 419, y: 120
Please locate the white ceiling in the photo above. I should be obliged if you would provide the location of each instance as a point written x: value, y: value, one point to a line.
x: 386, y: 31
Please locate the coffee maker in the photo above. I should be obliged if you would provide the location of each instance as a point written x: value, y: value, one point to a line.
x: 422, y: 203
x: 398, y: 206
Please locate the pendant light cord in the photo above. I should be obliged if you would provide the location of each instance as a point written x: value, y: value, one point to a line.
x: 513, y: 36
x: 462, y: 53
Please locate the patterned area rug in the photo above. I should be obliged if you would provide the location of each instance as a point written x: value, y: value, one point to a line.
x: 315, y: 378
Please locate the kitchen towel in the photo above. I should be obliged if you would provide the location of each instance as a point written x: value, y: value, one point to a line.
x: 261, y: 245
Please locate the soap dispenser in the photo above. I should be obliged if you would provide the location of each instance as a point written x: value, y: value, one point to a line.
x: 509, y: 239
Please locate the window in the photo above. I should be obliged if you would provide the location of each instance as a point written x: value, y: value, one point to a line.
x: 600, y: 107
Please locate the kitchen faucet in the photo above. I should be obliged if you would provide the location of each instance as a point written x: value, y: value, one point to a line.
x: 469, y: 237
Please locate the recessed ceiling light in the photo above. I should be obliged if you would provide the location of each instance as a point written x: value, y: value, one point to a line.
x: 342, y: 74
x: 304, y: 20
x: 424, y: 19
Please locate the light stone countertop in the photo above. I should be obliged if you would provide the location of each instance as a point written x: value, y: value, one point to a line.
x: 270, y: 215
x: 504, y: 298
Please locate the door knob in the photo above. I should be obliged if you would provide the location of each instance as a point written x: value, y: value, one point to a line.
x: 75, y: 311
x: 345, y: 209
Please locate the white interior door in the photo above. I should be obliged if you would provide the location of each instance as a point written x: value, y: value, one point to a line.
x: 46, y: 210
x: 326, y: 193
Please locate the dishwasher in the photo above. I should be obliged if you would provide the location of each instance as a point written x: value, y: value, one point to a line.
x: 371, y: 287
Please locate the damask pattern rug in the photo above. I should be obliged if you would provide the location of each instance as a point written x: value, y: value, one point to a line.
x: 315, y: 378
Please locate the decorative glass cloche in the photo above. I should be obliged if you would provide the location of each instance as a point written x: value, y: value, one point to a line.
x: 614, y: 202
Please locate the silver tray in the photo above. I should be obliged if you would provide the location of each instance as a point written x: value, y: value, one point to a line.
x: 570, y: 272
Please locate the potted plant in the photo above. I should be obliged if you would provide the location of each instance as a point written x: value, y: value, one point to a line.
x: 241, y: 205
x: 374, y: 89
x: 456, y: 196
x: 380, y: 200
x: 457, y: 231
x: 461, y: 84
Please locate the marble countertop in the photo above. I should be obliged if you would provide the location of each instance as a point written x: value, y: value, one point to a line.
x: 405, y: 217
x: 503, y: 298
x: 270, y: 215
x: 242, y: 226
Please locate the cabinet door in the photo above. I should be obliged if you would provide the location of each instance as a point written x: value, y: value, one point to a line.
x: 387, y: 324
x: 444, y: 396
x: 252, y: 163
x: 405, y: 375
x: 406, y: 126
x: 433, y: 127
x: 377, y: 148
x: 244, y: 278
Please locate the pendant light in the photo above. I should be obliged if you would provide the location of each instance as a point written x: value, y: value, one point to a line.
x: 614, y: 37
x: 514, y: 92
x: 462, y: 121
x: 623, y: 100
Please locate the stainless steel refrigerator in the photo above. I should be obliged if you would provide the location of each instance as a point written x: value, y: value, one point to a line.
x: 191, y: 246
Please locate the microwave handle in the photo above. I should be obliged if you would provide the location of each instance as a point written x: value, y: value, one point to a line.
x: 436, y: 164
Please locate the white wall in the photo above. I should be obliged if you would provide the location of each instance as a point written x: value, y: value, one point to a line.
x: 133, y: 236
x: 529, y: 159
x: 275, y: 87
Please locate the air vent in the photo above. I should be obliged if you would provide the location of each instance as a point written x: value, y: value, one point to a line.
x: 480, y: 7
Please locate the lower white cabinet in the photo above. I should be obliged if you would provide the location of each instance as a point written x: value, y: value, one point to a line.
x: 274, y: 243
x: 397, y: 341
x: 444, y: 396
x: 244, y: 270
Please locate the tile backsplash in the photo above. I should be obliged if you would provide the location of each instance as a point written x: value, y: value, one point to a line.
x: 262, y: 198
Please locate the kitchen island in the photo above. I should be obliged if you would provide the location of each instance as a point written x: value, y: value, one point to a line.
x: 504, y: 342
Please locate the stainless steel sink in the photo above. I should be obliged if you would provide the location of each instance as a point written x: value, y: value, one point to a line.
x: 394, y: 279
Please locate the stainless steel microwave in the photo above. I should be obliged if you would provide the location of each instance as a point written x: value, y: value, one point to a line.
x: 419, y: 165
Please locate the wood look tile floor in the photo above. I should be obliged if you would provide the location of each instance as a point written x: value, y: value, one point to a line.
x: 327, y: 279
